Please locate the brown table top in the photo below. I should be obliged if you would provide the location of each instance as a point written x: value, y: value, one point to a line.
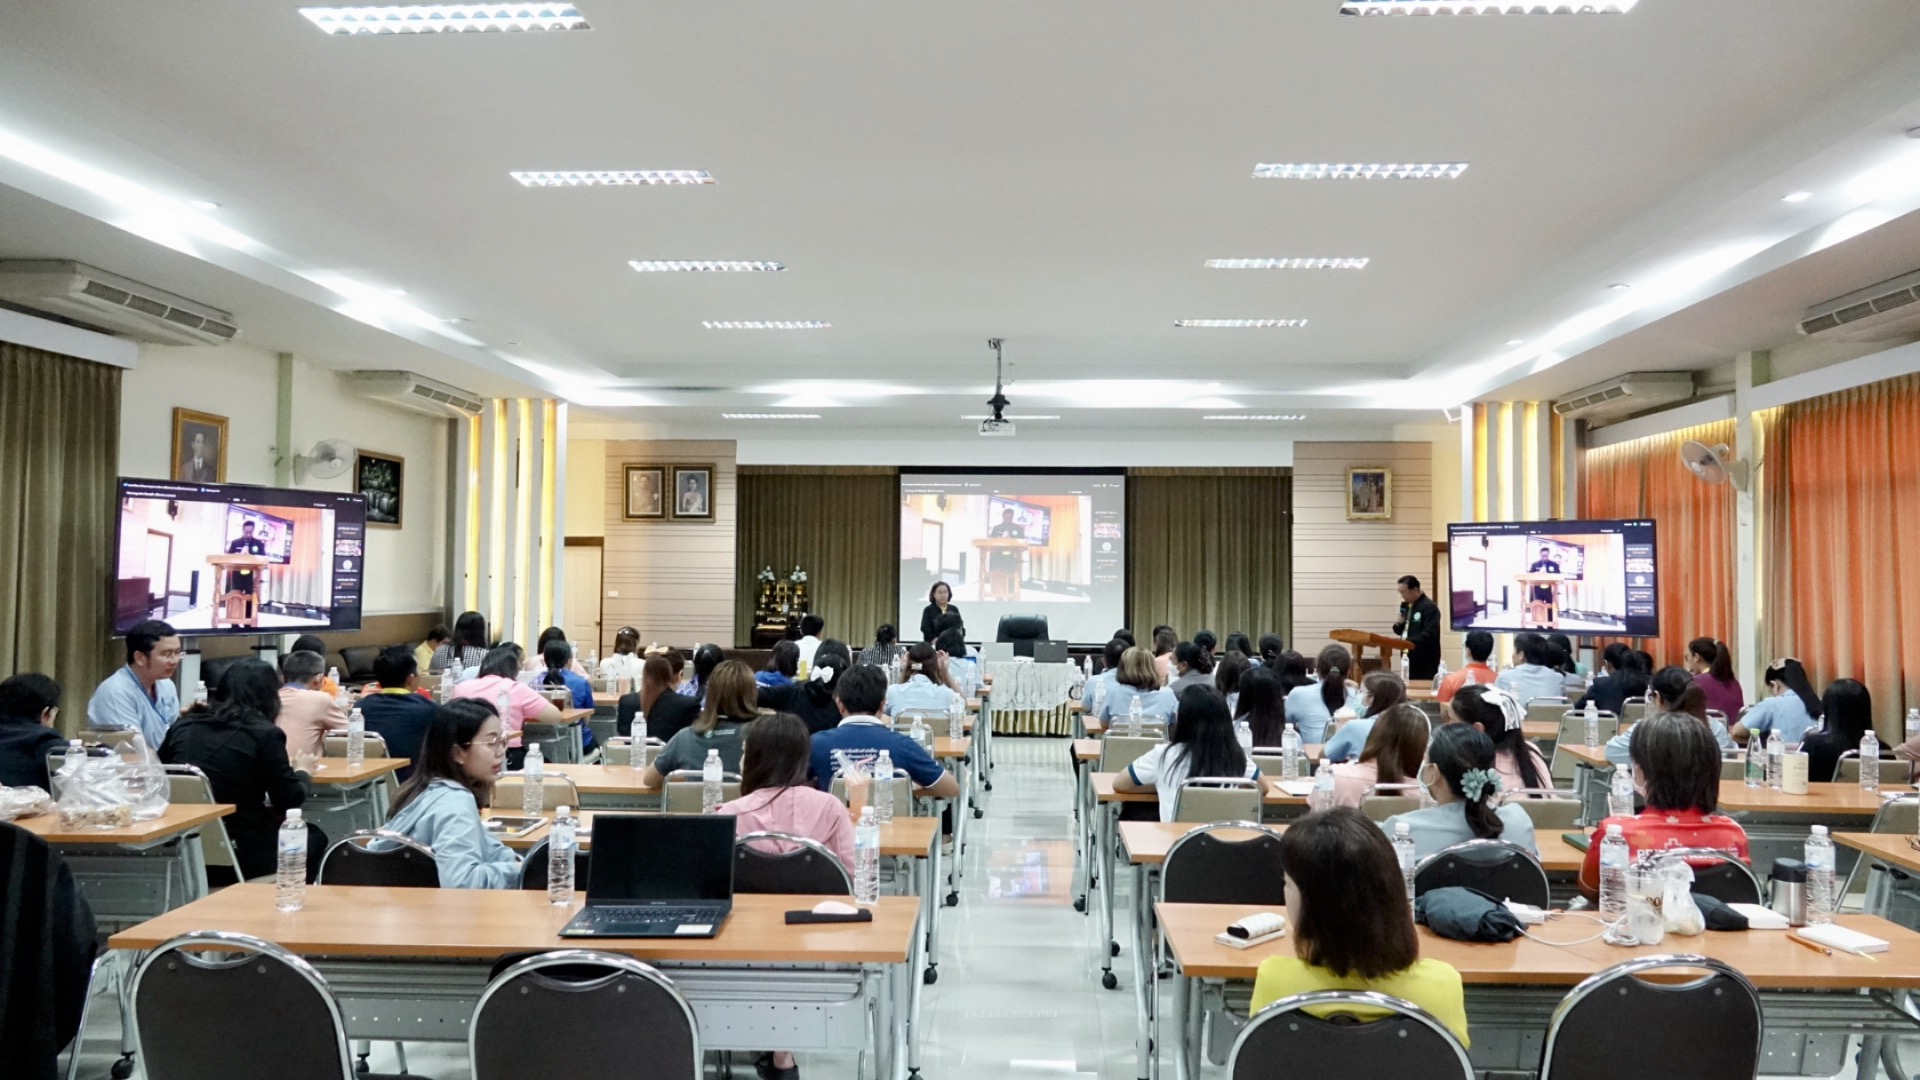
x: 1838, y: 800
x: 574, y: 716
x: 903, y: 837
x: 1541, y: 729
x: 482, y: 924
x: 605, y: 779
x: 602, y: 697
x: 951, y: 748
x: 1556, y: 855
x: 335, y: 770
x: 179, y: 818
x: 1890, y: 848
x: 1766, y: 957
x: 1103, y: 792
x: 1086, y: 749
x: 1591, y: 755
x: 1148, y: 842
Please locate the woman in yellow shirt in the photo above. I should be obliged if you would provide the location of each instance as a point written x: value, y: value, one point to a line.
x: 1352, y: 927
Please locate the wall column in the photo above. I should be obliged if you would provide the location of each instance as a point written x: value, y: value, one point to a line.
x: 509, y: 474
x: 1750, y: 370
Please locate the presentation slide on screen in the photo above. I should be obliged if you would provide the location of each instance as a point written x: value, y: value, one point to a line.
x: 1573, y: 577
x: 1047, y: 544
x: 234, y: 559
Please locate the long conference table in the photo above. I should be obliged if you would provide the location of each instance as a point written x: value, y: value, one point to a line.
x: 410, y: 964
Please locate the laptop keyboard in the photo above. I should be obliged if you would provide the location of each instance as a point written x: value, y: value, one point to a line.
x: 628, y: 913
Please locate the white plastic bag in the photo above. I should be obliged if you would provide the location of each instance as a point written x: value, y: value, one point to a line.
x: 143, y: 778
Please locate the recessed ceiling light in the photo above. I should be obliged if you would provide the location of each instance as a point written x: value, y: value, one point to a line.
x: 396, y: 292
x: 1619, y: 286
x: 786, y: 324
x: 1424, y: 171
x: 202, y: 204
x: 614, y: 178
x: 445, y: 18
x: 1797, y: 196
x: 1016, y: 416
x: 1256, y: 416
x: 1485, y: 7
x: 1238, y: 324
x: 1511, y: 342
x: 457, y: 319
x: 771, y: 416
x: 657, y: 266
x: 1287, y: 264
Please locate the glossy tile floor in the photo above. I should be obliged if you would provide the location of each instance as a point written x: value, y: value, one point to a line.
x: 1019, y: 993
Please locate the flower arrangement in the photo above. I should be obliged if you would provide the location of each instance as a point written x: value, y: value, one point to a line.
x: 798, y: 576
x: 766, y: 576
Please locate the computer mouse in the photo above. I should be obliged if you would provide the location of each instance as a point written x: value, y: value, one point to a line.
x: 835, y: 907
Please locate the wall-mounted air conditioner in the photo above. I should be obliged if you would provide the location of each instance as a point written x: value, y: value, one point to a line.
x: 109, y: 302
x: 1890, y: 309
x: 1628, y: 395
x: 415, y: 393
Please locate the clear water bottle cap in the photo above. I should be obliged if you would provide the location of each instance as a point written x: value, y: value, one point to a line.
x: 294, y: 814
x: 1819, y: 830
x: 1614, y: 830
x: 563, y: 811
x: 1401, y: 828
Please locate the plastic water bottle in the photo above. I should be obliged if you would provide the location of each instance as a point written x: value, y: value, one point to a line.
x: 920, y: 733
x: 561, y: 848
x: 1321, y: 797
x: 957, y: 721
x: 638, y: 755
x: 1134, y: 720
x: 1819, y: 877
x: 200, y: 693
x: 1757, y: 760
x: 1870, y: 761
x: 1290, y: 754
x: 446, y: 685
x: 1913, y: 724
x: 883, y: 788
x: 356, y: 739
x: 533, y: 798
x: 1776, y: 758
x: 1620, y: 793
x: 290, y: 885
x: 1613, y: 875
x: 866, y: 859
x: 1403, y: 851
x: 1593, y: 723
x: 1243, y: 734
x: 1405, y: 668
x: 710, y: 777
x: 593, y: 662
x: 1439, y: 674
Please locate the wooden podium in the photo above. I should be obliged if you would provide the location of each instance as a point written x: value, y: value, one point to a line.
x: 996, y: 583
x: 230, y: 605
x: 1544, y: 614
x: 1360, y: 640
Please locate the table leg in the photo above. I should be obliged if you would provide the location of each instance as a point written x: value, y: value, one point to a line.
x: 1104, y: 860
x: 1143, y: 976
x: 1181, y: 1006
x: 930, y: 905
x: 1195, y: 1017
x: 1082, y: 838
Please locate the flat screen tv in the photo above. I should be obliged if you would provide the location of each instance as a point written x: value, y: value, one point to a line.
x: 1579, y: 578
x: 236, y: 559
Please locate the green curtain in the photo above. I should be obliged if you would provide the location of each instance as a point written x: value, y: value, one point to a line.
x: 840, y: 525
x: 1210, y: 549
x: 59, y: 455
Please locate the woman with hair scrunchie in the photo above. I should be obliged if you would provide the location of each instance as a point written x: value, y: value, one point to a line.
x: 1459, y: 777
x: 811, y: 698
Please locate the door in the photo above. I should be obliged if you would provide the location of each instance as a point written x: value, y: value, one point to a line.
x: 159, y: 556
x: 582, y: 570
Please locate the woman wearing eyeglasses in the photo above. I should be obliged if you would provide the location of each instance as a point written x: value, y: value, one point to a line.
x: 464, y: 754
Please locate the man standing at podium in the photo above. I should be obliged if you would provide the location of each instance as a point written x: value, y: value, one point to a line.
x: 241, y: 581
x: 1420, y: 624
x: 1008, y: 529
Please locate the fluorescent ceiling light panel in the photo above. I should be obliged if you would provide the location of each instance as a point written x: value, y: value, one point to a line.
x: 1344, y: 171
x: 613, y: 177
x: 771, y: 416
x: 445, y: 18
x: 1287, y: 264
x: 1485, y: 7
x: 660, y: 266
x: 1015, y: 416
x: 1257, y: 416
x: 777, y: 324
x: 1238, y: 324
x: 1797, y: 196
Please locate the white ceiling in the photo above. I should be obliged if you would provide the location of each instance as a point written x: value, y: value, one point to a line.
x: 1053, y: 174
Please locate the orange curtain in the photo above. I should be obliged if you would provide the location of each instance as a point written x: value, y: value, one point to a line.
x: 1842, y: 488
x: 1694, y: 568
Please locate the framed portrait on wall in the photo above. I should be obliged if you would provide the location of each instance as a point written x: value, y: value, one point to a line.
x: 692, y: 493
x: 646, y: 493
x: 1370, y: 494
x: 199, y: 447
x: 381, y: 479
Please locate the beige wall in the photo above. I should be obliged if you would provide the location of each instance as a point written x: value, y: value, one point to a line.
x: 586, y: 506
x: 671, y: 581
x: 1344, y: 571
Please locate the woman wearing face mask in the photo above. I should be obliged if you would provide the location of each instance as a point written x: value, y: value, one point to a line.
x: 1379, y: 691
x: 1459, y: 777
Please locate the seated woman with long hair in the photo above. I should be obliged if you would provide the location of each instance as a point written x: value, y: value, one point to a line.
x: 1459, y: 778
x: 498, y: 684
x: 1846, y: 711
x: 1311, y: 708
x: 731, y: 708
x: 1396, y: 748
x: 1379, y: 691
x: 1200, y: 743
x: 1498, y: 714
x: 1676, y: 769
x: 812, y: 699
x: 783, y: 664
x: 666, y: 712
x: 1263, y: 705
x: 1672, y: 690
x: 922, y: 684
x: 1352, y: 928
x: 1791, y: 710
x: 439, y: 805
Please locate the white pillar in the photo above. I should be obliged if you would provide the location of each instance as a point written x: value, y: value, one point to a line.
x: 1750, y: 370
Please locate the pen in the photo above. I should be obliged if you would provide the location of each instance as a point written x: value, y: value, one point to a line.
x: 1816, y: 947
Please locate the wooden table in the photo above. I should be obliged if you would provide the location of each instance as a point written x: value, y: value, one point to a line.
x: 1821, y: 800
x: 347, y: 798
x: 333, y: 771
x: 178, y: 819
x: 1541, y: 729
x: 610, y: 787
x: 419, y: 959
x: 1887, y: 850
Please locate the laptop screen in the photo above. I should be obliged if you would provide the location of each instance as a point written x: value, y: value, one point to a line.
x: 678, y: 857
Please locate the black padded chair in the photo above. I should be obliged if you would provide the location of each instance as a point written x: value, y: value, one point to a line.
x: 586, y: 1016
x: 213, y: 668
x: 808, y: 869
x: 1719, y: 874
x: 1022, y: 631
x: 1286, y: 1042
x: 358, y: 660
x: 1494, y: 867
x: 1204, y: 868
x: 247, y: 1009
x: 1708, y: 1028
x: 533, y: 870
x: 399, y: 862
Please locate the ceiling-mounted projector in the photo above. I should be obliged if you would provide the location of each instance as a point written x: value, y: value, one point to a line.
x: 997, y: 424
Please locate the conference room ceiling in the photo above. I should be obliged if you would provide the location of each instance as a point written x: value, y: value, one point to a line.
x: 1053, y: 174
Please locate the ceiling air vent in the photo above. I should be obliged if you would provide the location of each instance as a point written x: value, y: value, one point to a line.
x: 1874, y: 313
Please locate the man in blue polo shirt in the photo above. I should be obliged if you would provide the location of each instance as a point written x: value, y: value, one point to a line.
x: 861, y: 735
x: 141, y: 696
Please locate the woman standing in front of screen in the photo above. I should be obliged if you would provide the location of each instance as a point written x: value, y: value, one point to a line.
x: 939, y: 604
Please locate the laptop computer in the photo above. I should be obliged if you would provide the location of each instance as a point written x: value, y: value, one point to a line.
x: 1049, y: 652
x: 996, y: 650
x: 657, y: 875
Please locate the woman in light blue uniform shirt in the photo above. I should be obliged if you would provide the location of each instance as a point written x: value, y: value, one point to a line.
x: 1379, y: 691
x: 1459, y: 777
x: 1790, y: 710
x: 1137, y: 680
x: 922, y: 688
x: 1309, y: 708
x: 465, y: 751
x: 1672, y: 690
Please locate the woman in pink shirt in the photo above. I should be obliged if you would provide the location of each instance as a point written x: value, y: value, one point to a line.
x: 499, y: 685
x: 1394, y: 751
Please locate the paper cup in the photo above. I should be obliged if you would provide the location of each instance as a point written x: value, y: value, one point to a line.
x: 1793, y: 774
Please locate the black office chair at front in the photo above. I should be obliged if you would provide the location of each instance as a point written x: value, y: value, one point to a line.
x: 1495, y: 867
x: 1708, y: 1028
x: 1287, y: 1042
x: 1022, y: 631
x: 584, y: 1015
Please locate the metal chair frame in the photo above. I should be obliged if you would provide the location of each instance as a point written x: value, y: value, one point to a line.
x: 364, y: 839
x: 516, y: 781
x: 1467, y: 846
x: 682, y: 779
x: 809, y: 844
x: 1287, y: 1006
x: 1718, y: 856
x: 1218, y: 783
x: 616, y: 966
x: 1598, y: 981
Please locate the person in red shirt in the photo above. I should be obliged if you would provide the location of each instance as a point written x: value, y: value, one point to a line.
x: 1477, y: 672
x: 1676, y: 769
